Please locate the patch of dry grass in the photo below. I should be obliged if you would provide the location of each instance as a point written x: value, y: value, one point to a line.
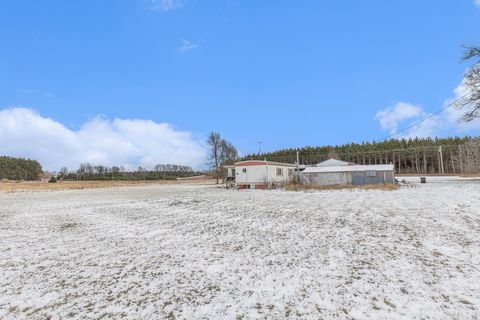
x: 14, y: 186
x: 307, y: 187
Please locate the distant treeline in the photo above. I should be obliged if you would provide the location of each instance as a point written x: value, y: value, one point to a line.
x: 89, y: 172
x: 19, y: 169
x: 418, y: 155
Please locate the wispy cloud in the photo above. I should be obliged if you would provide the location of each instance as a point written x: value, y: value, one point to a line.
x: 49, y: 95
x: 477, y: 3
x: 127, y: 142
x: 186, y: 46
x: 166, y: 5
x: 34, y: 92
x: 407, y: 114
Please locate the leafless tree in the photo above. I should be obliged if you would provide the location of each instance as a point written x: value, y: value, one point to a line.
x: 100, y: 169
x: 467, y: 158
x: 214, y: 143
x: 172, y: 168
x: 62, y: 173
x: 228, y: 155
x: 89, y: 168
x: 221, y: 151
x: 472, y: 83
x: 228, y: 152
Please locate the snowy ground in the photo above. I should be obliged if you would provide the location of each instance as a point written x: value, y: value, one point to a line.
x: 195, y: 252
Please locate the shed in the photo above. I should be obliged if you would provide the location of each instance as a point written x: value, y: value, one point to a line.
x: 350, y: 174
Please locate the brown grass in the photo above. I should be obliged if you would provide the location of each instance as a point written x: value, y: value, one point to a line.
x: 14, y: 186
x: 306, y: 187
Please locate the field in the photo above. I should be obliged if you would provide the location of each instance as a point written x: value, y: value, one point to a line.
x: 199, y: 252
x: 15, y: 186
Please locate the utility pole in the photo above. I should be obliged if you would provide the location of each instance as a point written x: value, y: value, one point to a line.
x: 424, y: 162
x: 260, y: 147
x: 460, y: 158
x: 298, y: 168
x: 453, y: 162
x: 442, y: 169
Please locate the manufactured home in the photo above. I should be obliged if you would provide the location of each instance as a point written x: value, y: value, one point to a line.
x: 336, y: 172
x: 257, y: 174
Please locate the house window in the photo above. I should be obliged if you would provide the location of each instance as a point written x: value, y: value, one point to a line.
x: 244, y: 170
x: 371, y: 173
x: 279, y: 172
x: 290, y: 172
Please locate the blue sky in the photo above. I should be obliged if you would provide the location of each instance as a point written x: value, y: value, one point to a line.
x: 288, y: 73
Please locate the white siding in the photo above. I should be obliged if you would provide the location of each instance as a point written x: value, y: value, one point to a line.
x: 262, y: 174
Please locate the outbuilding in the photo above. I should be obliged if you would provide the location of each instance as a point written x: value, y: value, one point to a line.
x: 337, y: 172
x: 257, y: 174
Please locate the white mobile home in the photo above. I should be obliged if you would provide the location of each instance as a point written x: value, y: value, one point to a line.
x: 256, y: 174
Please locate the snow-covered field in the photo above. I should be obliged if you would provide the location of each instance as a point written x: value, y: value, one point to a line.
x: 198, y: 252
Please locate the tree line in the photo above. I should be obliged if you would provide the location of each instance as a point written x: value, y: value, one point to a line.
x: 89, y: 172
x: 19, y: 169
x: 417, y: 155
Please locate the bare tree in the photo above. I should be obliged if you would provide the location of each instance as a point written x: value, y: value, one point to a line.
x: 89, y: 168
x: 472, y: 83
x: 62, y: 173
x: 221, y: 151
x: 100, y: 169
x: 468, y: 157
x: 228, y: 154
x: 172, y: 168
x: 214, y: 142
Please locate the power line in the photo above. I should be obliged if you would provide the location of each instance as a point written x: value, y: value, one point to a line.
x: 360, y: 152
x: 429, y: 116
x: 349, y: 153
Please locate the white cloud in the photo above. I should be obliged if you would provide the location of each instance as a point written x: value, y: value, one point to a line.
x: 447, y: 122
x: 186, y: 46
x: 477, y: 3
x: 131, y: 143
x: 390, y: 118
x: 166, y: 5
